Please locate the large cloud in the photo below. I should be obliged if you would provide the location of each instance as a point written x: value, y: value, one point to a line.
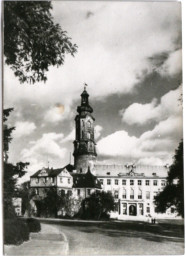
x: 23, y: 129
x: 115, y: 44
x: 45, y: 147
x: 57, y: 114
x: 141, y: 114
x: 158, y: 143
x: 173, y: 65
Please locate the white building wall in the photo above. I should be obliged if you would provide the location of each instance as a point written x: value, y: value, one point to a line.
x: 148, y: 203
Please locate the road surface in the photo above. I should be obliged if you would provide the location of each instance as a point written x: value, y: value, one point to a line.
x: 106, y: 239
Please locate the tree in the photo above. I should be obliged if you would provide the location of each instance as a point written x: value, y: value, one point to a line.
x: 98, y: 205
x: 32, y: 41
x: 173, y: 193
x: 52, y: 202
x: 11, y: 172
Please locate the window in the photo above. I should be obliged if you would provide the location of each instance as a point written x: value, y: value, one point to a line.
x: 62, y: 192
x: 139, y: 182
x: 125, y: 208
x: 131, y: 182
x: 78, y: 192
x: 88, y: 135
x: 52, y: 179
x: 155, y: 194
x: 68, y: 180
x: 37, y: 180
x: 101, y: 181
x: 61, y: 180
x: 116, y: 194
x: 124, y: 196
x: 89, y: 124
x: 140, y: 194
x: 116, y: 182
x: 147, y: 194
x: 148, y: 209
x: 69, y: 192
x: 172, y: 210
x: 131, y: 194
x: 88, y: 192
x: 108, y: 181
x: 123, y: 182
x: 155, y: 182
x: 36, y: 191
x: 163, y: 183
x: 147, y: 182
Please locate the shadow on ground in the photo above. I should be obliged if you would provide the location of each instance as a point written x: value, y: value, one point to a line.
x: 151, y: 232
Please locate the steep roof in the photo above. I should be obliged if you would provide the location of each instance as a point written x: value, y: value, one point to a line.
x: 52, y: 172
x: 85, y: 180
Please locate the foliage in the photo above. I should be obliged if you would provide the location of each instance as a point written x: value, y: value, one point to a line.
x: 51, y: 203
x: 32, y: 40
x: 173, y: 193
x: 11, y: 172
x: 71, y: 205
x: 33, y: 225
x: 6, y: 131
x: 26, y: 195
x: 98, y: 205
x: 15, y: 231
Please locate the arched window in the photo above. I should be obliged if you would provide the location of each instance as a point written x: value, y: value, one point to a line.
x: 124, y: 194
x: 132, y: 194
x: 139, y: 194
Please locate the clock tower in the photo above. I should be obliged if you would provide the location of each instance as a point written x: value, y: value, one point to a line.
x: 84, y: 144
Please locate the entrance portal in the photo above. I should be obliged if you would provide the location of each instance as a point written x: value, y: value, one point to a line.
x: 132, y: 210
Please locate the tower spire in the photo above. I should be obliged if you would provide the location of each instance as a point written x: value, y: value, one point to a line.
x: 84, y: 144
x: 85, y: 85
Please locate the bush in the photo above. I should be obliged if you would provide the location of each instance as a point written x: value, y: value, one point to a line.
x: 15, y: 231
x: 33, y: 225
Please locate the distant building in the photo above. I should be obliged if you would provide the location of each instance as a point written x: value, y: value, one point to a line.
x: 133, y: 187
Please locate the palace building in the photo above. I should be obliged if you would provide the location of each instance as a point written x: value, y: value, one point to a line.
x: 134, y: 187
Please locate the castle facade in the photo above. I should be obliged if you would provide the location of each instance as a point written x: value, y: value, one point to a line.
x: 134, y: 187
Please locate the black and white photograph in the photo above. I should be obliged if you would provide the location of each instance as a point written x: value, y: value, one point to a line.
x: 92, y: 121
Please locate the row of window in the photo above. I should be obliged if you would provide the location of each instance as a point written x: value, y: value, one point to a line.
x: 132, y: 182
x: 62, y: 192
x: 51, y: 179
x: 139, y: 196
x: 61, y: 180
x: 140, y: 209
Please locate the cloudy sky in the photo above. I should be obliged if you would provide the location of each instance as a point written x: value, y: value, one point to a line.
x: 129, y: 54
